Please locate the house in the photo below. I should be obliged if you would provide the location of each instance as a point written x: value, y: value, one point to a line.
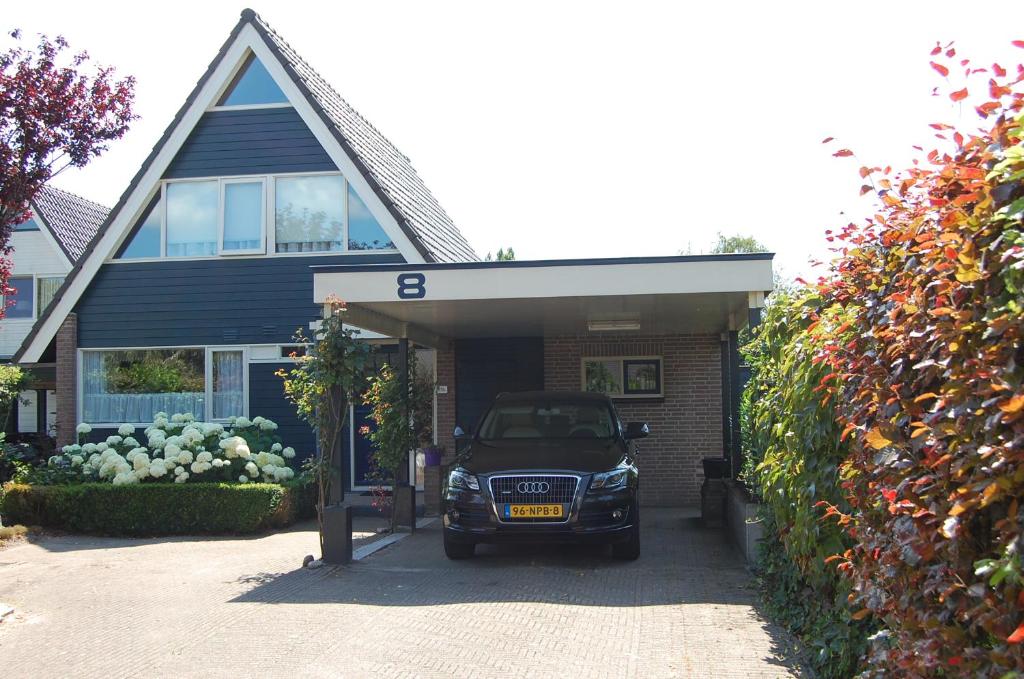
x: 44, y: 249
x: 268, y: 194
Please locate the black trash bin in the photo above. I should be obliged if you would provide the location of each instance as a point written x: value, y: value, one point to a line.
x: 716, y: 467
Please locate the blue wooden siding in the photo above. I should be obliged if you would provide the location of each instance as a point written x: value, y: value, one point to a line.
x: 266, y: 398
x: 257, y: 141
x: 486, y: 367
x: 179, y: 302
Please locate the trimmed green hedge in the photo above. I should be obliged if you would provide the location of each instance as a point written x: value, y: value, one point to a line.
x: 157, y: 508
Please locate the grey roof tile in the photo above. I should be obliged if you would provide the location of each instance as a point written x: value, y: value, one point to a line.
x: 72, y: 220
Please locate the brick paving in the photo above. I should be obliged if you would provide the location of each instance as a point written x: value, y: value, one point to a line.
x: 211, y: 607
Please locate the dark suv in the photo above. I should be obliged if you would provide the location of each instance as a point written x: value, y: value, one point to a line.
x: 546, y: 466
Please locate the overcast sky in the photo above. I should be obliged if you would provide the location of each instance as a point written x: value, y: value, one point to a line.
x: 585, y: 129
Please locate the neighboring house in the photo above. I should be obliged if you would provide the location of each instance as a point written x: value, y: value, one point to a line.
x: 44, y: 249
x: 268, y: 194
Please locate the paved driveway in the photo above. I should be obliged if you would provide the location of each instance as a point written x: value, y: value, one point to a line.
x: 91, y: 607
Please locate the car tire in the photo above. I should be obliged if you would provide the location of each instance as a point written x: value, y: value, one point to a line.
x: 457, y: 550
x: 630, y: 549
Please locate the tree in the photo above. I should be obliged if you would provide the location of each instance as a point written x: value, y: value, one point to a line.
x: 503, y: 256
x: 731, y: 245
x: 321, y: 385
x: 52, y: 117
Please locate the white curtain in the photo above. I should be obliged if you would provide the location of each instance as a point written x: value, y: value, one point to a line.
x: 100, y: 406
x: 227, y: 384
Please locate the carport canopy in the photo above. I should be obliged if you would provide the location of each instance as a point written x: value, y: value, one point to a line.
x: 432, y: 304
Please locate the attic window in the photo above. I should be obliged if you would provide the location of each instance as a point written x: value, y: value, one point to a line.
x: 29, y: 224
x: 252, y: 86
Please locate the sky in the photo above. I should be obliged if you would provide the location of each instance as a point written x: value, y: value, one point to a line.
x: 586, y: 129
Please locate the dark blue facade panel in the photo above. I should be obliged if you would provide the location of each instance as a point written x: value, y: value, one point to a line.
x: 266, y: 399
x: 258, y: 141
x: 485, y: 368
x: 203, y: 302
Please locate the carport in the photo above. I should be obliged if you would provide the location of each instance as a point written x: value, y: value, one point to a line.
x: 658, y: 333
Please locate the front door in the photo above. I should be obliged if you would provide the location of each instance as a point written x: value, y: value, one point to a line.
x: 357, y: 446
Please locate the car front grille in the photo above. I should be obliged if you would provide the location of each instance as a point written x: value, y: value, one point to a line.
x: 534, y: 489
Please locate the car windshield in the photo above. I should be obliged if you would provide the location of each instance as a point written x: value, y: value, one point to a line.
x: 558, y: 419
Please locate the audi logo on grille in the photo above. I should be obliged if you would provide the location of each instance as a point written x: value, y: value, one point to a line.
x: 533, y: 486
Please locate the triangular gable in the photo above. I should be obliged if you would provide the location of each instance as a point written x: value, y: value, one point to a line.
x: 248, y: 37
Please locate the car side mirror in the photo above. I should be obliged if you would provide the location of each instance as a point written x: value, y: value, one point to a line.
x: 636, y: 430
x: 460, y: 433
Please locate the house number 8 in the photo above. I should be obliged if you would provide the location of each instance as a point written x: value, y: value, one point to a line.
x: 411, y: 286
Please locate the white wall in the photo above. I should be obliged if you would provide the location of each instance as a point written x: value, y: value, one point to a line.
x: 35, y: 254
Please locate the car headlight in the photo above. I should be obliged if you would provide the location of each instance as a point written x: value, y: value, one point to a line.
x: 460, y: 479
x: 609, y: 480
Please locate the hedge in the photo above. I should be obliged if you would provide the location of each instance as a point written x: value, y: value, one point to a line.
x: 157, y: 509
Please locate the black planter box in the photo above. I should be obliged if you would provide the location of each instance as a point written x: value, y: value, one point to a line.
x: 716, y: 467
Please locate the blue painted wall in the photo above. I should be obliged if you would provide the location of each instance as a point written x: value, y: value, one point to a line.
x: 259, y: 300
x: 266, y: 398
x: 258, y: 141
x: 486, y: 367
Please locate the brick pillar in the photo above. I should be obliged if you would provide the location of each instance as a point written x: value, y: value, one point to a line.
x: 446, y: 403
x: 67, y: 380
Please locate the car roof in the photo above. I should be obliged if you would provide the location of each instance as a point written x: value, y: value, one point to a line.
x: 533, y: 396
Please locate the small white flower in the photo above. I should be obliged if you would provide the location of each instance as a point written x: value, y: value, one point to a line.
x: 243, y: 479
x: 89, y: 448
x: 242, y: 423
x: 204, y: 457
x: 76, y: 460
x: 184, y: 457
x: 101, y: 446
x: 83, y: 428
x: 177, y: 418
x: 113, y: 440
x: 171, y: 450
x: 252, y: 469
x: 178, y: 471
x: 131, y: 442
x: 141, y: 461
x: 258, y: 420
x: 276, y: 448
x: 181, y: 478
x: 125, y: 477
x: 126, y: 429
x: 157, y: 468
x: 268, y: 425
x: 288, y: 452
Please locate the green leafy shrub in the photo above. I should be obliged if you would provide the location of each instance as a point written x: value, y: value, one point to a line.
x: 157, y: 509
x: 793, y: 457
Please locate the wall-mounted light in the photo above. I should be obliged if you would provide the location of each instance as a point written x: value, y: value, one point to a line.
x: 612, y: 325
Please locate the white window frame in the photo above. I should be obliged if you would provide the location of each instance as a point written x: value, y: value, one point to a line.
x: 207, y: 380
x: 231, y: 80
x: 269, y: 221
x: 621, y: 360
x: 222, y: 210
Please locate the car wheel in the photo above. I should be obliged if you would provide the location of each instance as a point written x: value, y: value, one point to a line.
x: 630, y: 549
x: 457, y: 550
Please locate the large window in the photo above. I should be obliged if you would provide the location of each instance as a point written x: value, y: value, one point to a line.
x: 19, y: 302
x: 287, y: 214
x: 310, y: 213
x: 133, y: 385
x: 623, y: 376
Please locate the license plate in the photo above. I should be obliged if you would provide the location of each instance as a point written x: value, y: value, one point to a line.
x: 534, y: 511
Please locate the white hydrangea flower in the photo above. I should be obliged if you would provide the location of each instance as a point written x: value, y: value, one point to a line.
x: 157, y: 468
x: 102, y: 446
x: 242, y: 423
x: 258, y: 420
x: 283, y: 474
x: 131, y: 442
x: 77, y: 461
x: 184, y: 457
x: 171, y: 450
x: 177, y: 418
x: 83, y: 428
x: 268, y: 425
x: 125, y: 477
x: 188, y: 417
x: 243, y: 479
x: 252, y: 469
x: 141, y: 473
x: 141, y: 461
x: 114, y: 440
x: 204, y: 457
x: 218, y: 463
x: 89, y: 448
x: 178, y: 471
x: 242, y: 451
x: 276, y: 448
x: 200, y: 467
x: 288, y: 452
x: 181, y: 478
x: 160, y: 422
x: 126, y: 429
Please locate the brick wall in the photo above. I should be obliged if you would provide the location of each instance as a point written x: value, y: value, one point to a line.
x: 446, y: 402
x: 686, y: 424
x: 67, y: 380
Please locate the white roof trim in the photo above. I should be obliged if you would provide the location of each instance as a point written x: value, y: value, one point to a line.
x: 247, y: 39
x: 544, y: 281
x: 44, y: 226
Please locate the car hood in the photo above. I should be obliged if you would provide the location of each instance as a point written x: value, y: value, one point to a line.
x: 580, y: 455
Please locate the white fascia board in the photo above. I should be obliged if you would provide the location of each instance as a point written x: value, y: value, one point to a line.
x: 537, y: 282
x: 248, y: 38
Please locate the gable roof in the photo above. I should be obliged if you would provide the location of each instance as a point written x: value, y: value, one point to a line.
x: 71, y: 219
x: 387, y: 169
x: 426, y: 226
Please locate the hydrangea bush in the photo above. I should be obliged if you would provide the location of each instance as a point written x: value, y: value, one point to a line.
x: 179, y: 449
